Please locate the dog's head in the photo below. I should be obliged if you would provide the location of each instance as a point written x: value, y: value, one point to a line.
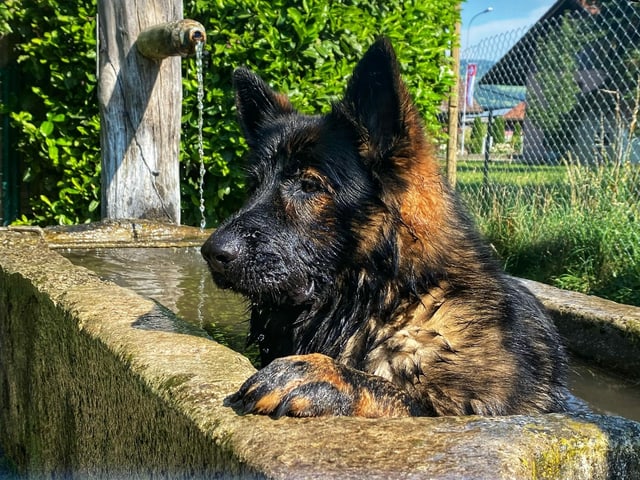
x: 327, y: 193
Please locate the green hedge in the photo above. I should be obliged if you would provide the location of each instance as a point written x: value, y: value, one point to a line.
x: 53, y: 112
x: 306, y: 49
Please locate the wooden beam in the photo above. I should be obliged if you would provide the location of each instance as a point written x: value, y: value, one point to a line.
x: 452, y: 144
x: 140, y: 110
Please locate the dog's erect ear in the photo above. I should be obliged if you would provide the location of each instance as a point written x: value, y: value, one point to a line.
x: 377, y: 101
x: 257, y: 103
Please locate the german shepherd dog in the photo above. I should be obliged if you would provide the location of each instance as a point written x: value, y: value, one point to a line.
x: 371, y: 294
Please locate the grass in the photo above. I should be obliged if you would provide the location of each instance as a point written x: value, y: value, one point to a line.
x: 571, y: 226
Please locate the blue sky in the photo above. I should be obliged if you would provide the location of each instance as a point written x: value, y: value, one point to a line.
x: 507, y: 15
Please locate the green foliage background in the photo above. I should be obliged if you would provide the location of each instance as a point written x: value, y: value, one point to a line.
x: 54, y: 113
x: 306, y: 49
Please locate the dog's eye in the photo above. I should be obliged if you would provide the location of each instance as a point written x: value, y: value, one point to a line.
x: 311, y: 185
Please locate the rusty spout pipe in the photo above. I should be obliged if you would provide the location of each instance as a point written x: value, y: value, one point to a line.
x: 171, y: 39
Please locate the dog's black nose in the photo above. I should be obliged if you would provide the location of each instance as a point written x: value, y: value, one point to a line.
x: 220, y: 249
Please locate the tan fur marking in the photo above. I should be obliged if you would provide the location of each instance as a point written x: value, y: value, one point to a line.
x: 269, y: 402
x: 283, y: 102
x: 370, y: 234
x: 300, y: 405
x: 423, y: 211
x: 324, y: 370
x: 423, y: 205
x: 369, y: 406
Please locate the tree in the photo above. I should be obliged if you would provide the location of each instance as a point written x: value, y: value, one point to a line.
x: 477, y: 137
x: 516, y: 139
x: 497, y: 130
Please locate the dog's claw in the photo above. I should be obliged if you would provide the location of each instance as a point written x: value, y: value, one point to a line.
x: 235, y: 401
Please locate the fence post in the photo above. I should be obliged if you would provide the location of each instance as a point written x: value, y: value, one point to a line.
x: 140, y: 108
x: 452, y: 142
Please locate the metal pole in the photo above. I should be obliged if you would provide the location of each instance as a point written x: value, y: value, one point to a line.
x: 487, y: 148
x: 466, y: 74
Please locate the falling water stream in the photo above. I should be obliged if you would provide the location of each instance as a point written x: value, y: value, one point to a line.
x: 203, y: 218
x: 200, y: 98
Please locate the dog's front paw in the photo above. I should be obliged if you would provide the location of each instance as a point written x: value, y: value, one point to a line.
x: 315, y: 385
x: 299, y: 386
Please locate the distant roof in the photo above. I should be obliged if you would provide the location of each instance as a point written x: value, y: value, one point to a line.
x: 513, y: 67
x: 517, y: 112
x: 498, y: 97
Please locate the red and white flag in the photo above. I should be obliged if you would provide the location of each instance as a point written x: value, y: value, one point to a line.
x: 472, y: 69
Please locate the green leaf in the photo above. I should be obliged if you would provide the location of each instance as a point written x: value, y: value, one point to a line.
x: 53, y: 152
x: 46, y: 200
x: 46, y: 128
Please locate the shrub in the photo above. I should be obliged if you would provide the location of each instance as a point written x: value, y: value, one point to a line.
x: 305, y: 49
x: 54, y: 114
x: 477, y: 137
x: 498, y: 126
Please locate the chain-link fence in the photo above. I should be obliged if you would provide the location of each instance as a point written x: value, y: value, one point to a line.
x: 550, y: 160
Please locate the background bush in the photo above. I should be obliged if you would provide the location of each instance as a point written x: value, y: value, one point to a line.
x: 53, y: 109
x: 306, y: 49
x: 498, y: 126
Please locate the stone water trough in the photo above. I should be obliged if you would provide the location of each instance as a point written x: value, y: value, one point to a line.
x: 97, y: 381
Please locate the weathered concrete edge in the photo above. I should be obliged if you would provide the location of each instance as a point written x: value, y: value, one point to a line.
x: 602, y: 331
x: 111, y: 325
x: 117, y: 233
x: 192, y: 375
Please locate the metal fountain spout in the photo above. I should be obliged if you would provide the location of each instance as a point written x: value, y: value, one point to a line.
x: 171, y: 39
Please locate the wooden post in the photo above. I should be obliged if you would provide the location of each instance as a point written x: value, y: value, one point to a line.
x: 140, y: 108
x: 452, y: 144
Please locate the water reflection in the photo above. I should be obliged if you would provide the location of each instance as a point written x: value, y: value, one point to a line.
x: 605, y: 392
x: 178, y: 278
